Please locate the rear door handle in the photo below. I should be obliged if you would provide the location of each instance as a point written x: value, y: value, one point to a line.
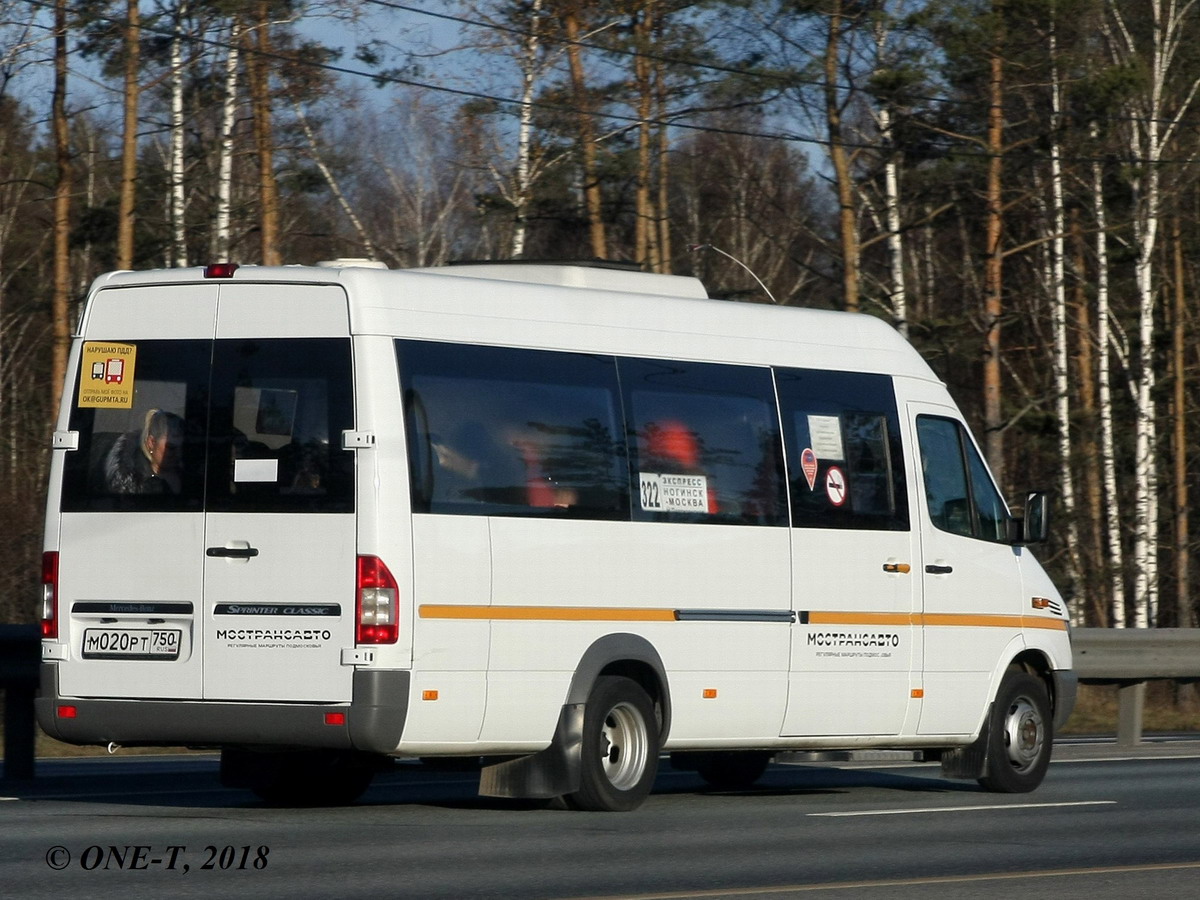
x: 232, y: 552
x: 939, y: 570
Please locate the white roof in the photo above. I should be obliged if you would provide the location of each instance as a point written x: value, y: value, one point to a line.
x: 578, y: 276
x: 574, y: 307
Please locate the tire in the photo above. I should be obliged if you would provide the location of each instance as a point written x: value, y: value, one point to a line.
x: 732, y: 770
x: 303, y: 778
x: 619, y: 754
x: 1020, y: 736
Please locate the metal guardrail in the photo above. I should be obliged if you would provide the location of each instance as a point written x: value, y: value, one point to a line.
x: 1131, y: 657
x: 1128, y: 658
x: 20, y: 657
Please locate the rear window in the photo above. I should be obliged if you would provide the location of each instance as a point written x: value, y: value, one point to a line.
x: 231, y: 425
x: 277, y: 414
x: 141, y: 412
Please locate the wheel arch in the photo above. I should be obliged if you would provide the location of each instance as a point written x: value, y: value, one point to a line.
x: 633, y: 657
x: 1037, y: 664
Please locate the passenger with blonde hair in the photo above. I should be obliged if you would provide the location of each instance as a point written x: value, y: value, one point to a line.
x: 146, y: 461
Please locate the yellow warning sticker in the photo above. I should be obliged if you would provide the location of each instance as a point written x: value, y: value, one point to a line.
x: 107, y: 375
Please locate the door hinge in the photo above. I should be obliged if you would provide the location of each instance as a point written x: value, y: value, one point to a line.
x: 358, y: 440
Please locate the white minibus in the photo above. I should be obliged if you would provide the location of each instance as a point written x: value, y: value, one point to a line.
x: 560, y: 520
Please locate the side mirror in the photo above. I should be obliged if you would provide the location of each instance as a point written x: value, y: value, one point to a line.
x: 1036, y: 525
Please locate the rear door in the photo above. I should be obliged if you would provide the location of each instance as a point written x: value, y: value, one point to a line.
x: 131, y: 529
x: 279, y: 535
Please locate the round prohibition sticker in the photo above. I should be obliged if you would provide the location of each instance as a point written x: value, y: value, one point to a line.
x: 835, y: 486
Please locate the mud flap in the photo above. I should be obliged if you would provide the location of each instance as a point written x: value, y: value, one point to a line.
x: 971, y: 761
x: 549, y: 773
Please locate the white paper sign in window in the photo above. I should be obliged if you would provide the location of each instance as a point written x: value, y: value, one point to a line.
x: 673, y: 493
x: 256, y: 470
x: 825, y: 437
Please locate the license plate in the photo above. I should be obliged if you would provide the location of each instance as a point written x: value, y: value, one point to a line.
x: 131, y: 643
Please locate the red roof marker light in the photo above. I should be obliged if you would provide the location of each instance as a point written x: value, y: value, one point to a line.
x: 220, y: 270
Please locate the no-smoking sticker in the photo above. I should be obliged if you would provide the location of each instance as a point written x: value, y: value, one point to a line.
x: 835, y: 486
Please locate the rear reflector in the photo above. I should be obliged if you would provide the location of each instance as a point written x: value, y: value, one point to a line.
x: 337, y: 718
x: 67, y: 712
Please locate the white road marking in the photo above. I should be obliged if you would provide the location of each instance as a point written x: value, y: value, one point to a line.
x: 946, y: 809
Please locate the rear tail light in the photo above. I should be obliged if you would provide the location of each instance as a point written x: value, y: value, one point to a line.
x: 49, y: 611
x: 378, y: 603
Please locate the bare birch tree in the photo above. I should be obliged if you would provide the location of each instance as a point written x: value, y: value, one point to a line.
x: 1154, y: 115
x: 1056, y: 224
x: 178, y: 193
x: 221, y: 236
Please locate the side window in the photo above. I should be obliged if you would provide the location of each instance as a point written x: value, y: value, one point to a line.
x: 845, y: 458
x: 279, y: 408
x: 510, y: 432
x: 141, y: 411
x: 704, y: 443
x: 961, y: 495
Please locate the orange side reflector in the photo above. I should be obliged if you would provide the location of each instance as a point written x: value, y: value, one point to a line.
x: 1041, y: 603
x: 337, y: 718
x: 918, y: 693
x: 710, y: 694
x: 67, y: 712
x: 429, y: 695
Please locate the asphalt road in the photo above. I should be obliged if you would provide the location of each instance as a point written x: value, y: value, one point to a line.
x: 1106, y: 823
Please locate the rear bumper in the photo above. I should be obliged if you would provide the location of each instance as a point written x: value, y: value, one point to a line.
x: 373, y: 720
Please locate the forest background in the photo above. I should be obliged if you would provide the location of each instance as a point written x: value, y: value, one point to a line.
x: 1013, y: 184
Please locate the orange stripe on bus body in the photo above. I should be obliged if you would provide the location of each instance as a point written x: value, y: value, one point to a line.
x: 547, y: 613
x: 936, y: 620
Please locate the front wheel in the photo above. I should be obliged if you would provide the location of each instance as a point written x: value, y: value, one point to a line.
x: 1020, y: 736
x: 619, y: 755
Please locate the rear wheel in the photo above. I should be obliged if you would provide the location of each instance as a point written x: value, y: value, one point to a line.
x: 1020, y: 736
x: 619, y: 756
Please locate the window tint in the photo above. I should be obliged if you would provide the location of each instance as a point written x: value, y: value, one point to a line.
x: 961, y: 495
x: 845, y: 460
x: 265, y: 436
x: 704, y: 442
x: 141, y: 446
x: 501, y: 431
x: 279, y: 408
